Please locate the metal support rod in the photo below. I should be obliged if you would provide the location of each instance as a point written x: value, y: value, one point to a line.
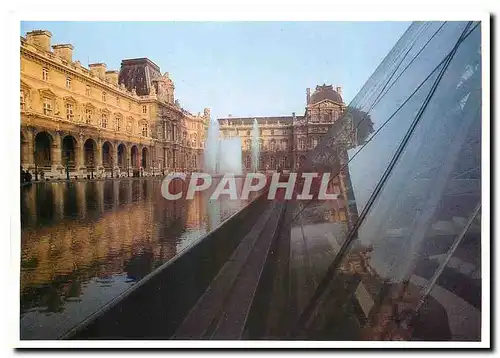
x: 448, y: 256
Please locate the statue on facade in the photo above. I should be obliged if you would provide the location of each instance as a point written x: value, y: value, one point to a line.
x: 165, y: 88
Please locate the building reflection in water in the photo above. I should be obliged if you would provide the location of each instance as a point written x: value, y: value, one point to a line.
x: 80, y: 238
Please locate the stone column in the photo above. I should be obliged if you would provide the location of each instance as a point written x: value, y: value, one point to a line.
x: 139, y: 158
x: 80, y: 154
x: 115, y: 158
x: 56, y: 152
x: 98, y: 159
x: 29, y: 149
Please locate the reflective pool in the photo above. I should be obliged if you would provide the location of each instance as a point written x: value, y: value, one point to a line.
x: 83, y: 243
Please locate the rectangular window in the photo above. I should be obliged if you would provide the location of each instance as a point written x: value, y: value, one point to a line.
x: 22, y: 100
x: 145, y: 130
x: 45, y: 74
x: 104, y: 122
x: 47, y: 106
x: 68, y: 82
x: 144, y: 109
x: 69, y: 111
x: 88, y: 115
x: 118, y: 101
x: 118, y: 123
x: 87, y: 91
x: 104, y: 96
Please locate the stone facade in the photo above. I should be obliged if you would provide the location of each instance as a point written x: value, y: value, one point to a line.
x: 81, y: 122
x: 284, y: 141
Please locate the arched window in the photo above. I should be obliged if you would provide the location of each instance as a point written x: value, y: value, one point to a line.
x: 104, y: 96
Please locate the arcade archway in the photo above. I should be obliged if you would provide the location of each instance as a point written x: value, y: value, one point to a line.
x: 69, y: 151
x: 90, y: 153
x: 43, y: 149
x: 107, y: 155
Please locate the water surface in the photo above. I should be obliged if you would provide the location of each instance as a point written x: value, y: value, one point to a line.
x: 83, y: 243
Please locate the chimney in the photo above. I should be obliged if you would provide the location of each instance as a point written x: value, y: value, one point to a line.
x: 339, y: 90
x: 308, y: 95
x: 64, y: 51
x: 98, y: 69
x: 39, y: 38
x: 112, y: 77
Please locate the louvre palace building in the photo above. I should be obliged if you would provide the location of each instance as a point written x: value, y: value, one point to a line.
x: 284, y: 141
x: 80, y: 122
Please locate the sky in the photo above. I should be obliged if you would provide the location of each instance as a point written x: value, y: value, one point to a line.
x: 239, y: 68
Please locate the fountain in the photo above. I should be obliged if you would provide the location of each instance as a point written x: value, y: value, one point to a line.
x: 221, y: 155
x: 255, y: 145
x: 212, y: 148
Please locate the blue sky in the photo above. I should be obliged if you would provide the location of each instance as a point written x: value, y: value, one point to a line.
x: 242, y: 68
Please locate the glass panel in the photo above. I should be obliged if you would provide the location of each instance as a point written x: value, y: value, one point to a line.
x: 425, y: 206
